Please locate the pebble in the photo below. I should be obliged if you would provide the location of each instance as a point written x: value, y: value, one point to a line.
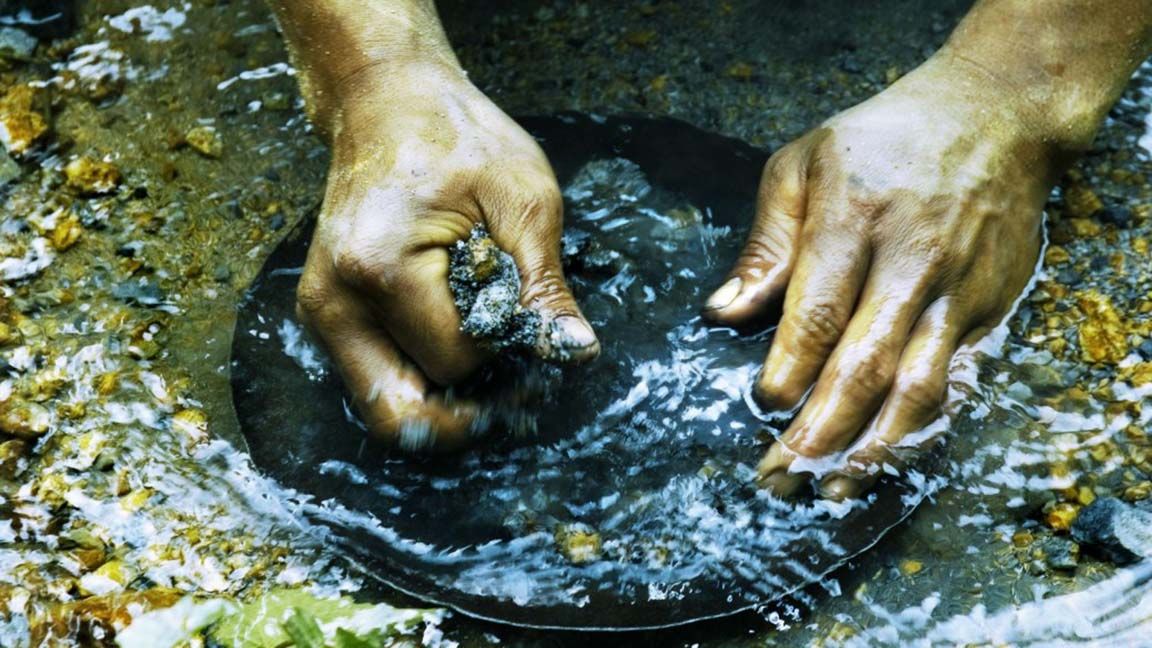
x: 578, y: 543
x: 9, y: 169
x: 21, y: 125
x: 141, y: 293
x: 1059, y: 553
x: 192, y: 424
x: 206, y: 141
x: 1081, y: 202
x: 16, y: 43
x: 1103, y: 336
x: 1062, y: 516
x: 1068, y: 277
x: 25, y: 420
x: 11, y: 452
x: 89, y: 176
x: 1117, y: 215
x: 222, y: 273
x: 1120, y: 531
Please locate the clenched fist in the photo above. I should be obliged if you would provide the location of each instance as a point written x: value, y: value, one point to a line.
x: 418, y: 159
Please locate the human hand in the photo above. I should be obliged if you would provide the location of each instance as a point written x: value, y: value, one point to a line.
x: 420, y: 156
x: 895, y: 233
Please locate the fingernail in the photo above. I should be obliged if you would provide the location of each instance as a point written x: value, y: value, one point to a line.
x: 839, y: 489
x: 576, y: 332
x: 570, y: 337
x: 725, y: 295
x: 781, y: 482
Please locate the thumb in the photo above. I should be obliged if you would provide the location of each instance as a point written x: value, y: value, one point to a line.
x: 760, y: 276
x: 533, y: 240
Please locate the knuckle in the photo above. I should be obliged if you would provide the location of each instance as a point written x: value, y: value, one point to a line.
x: 811, y: 445
x: 547, y: 288
x: 818, y: 326
x: 921, y: 394
x: 869, y: 370
x: 760, y: 250
x: 360, y: 266
x: 544, y: 199
x: 935, y: 252
x: 382, y: 419
x: 777, y: 169
x: 313, y: 298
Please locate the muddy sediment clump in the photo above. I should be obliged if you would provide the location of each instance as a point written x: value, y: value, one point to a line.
x: 485, y: 283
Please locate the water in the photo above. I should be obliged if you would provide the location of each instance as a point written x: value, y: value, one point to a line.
x: 634, y: 503
x: 177, y: 506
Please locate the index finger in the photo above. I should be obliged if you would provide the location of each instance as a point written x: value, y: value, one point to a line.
x: 397, y: 401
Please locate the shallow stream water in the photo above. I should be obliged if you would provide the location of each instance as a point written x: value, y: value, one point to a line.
x: 630, y: 499
x: 136, y: 491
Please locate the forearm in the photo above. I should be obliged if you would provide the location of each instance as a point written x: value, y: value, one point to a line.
x: 1068, y: 60
x: 332, y: 42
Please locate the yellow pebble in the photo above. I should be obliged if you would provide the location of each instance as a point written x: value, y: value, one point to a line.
x: 1022, y: 538
x: 741, y: 71
x: 1062, y: 516
x: 911, y: 567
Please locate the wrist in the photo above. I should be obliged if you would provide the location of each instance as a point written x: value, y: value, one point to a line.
x: 341, y: 48
x: 1064, y: 119
x: 1065, y: 62
x: 377, y: 97
x: 1003, y: 108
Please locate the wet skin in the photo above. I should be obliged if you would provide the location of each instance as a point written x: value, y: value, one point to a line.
x: 894, y: 234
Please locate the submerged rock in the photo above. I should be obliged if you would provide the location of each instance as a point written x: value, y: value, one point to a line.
x: 578, y: 542
x: 16, y: 43
x: 22, y: 123
x: 206, y: 141
x: 1059, y: 553
x: 1121, y: 532
x: 486, y: 286
x: 9, y: 169
x: 90, y: 176
x: 25, y: 420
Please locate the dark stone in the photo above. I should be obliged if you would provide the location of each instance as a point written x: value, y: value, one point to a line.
x: 1060, y: 553
x: 1117, y: 215
x: 222, y: 273
x: 9, y: 169
x: 1145, y: 349
x: 1042, y: 379
x: 1068, y: 277
x: 1116, y: 530
x: 232, y: 208
x: 277, y: 222
x: 139, y: 293
x: 581, y: 254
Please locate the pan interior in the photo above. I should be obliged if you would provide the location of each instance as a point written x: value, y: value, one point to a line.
x: 633, y: 504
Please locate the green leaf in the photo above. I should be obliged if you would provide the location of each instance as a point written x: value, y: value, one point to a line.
x: 262, y: 621
x: 303, y: 630
x: 346, y: 639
